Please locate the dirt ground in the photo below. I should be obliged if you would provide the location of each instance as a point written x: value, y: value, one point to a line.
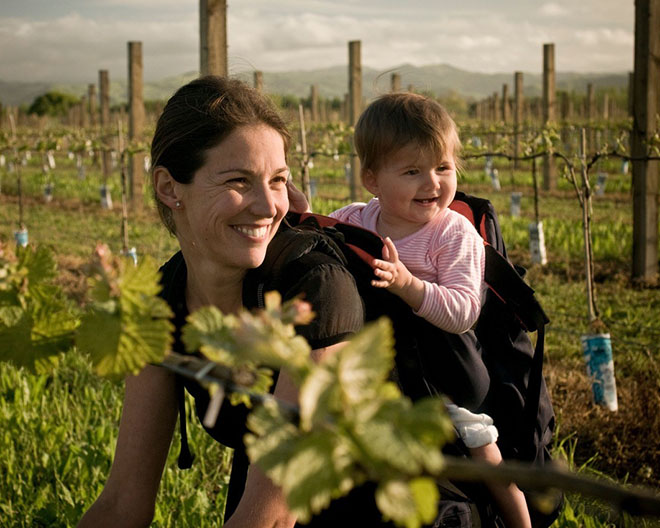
x: 626, y: 442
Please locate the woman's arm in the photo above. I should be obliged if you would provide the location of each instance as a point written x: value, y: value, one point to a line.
x: 145, y: 432
x: 263, y: 504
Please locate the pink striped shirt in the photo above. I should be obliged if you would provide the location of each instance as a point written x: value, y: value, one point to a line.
x: 447, y: 254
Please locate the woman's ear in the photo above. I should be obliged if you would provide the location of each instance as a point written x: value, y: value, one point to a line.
x: 165, y: 187
x: 370, y: 181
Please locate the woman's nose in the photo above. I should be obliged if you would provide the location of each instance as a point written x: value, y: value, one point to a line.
x: 264, y: 202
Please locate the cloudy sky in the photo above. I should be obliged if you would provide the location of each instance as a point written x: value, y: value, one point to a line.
x: 70, y: 40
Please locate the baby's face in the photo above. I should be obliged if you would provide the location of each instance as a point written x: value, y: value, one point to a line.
x: 413, y: 186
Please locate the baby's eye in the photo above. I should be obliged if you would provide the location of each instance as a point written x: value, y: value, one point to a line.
x: 411, y: 172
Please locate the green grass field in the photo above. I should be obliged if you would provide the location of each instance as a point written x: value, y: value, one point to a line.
x: 59, y: 429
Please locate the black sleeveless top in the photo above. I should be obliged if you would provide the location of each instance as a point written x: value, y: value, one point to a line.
x: 331, y: 291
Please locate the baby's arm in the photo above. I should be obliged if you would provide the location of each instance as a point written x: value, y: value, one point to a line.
x: 393, y: 275
x: 453, y: 309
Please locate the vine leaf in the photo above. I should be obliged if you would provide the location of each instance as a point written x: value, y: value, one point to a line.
x: 362, y: 427
x: 312, y: 469
x: 411, y: 504
x: 126, y: 326
x: 36, y: 320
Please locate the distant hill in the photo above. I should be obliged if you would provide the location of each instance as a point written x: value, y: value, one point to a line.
x: 333, y: 82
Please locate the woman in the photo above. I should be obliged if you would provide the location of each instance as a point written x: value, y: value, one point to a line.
x: 220, y: 183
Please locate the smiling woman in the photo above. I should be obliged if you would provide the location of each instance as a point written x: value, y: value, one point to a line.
x: 220, y: 182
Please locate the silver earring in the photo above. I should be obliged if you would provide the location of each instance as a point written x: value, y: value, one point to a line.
x: 178, y: 204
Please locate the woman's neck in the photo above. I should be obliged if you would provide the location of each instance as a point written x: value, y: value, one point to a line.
x: 208, y: 285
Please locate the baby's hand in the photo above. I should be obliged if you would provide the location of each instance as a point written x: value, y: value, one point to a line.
x: 391, y: 272
x: 297, y: 199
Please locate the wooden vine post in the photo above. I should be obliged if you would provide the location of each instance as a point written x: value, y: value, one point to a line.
x: 395, y: 83
x: 506, y: 117
x: 213, y: 37
x: 91, y: 98
x: 354, y: 107
x: 135, y: 125
x: 106, y: 158
x: 549, y: 112
x: 646, y: 105
x: 304, y: 163
x: 259, y: 81
x: 518, y: 106
x: 590, y: 114
x: 314, y: 103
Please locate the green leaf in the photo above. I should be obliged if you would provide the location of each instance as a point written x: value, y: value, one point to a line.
x: 365, y: 362
x: 124, y: 333
x: 410, y: 504
x: 318, y: 396
x: 38, y: 262
x: 312, y: 469
x: 396, y: 502
x: 426, y: 496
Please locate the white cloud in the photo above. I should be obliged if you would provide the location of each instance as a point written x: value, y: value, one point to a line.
x: 469, y: 42
x: 73, y: 48
x: 310, y: 34
x: 605, y: 36
x: 552, y: 9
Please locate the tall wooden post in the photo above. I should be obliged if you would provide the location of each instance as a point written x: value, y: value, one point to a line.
x: 395, y: 83
x: 213, y: 37
x: 135, y: 124
x: 354, y: 106
x: 314, y: 103
x: 91, y: 98
x: 549, y: 112
x: 104, y: 103
x: 259, y: 81
x: 590, y: 108
x: 497, y: 116
x: 518, y: 105
x: 646, y: 105
x: 104, y: 97
x: 505, y: 103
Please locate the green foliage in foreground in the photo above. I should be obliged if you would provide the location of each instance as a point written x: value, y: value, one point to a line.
x: 355, y: 427
x: 58, y: 438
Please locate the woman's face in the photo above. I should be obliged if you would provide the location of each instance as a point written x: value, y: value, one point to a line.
x: 236, y: 200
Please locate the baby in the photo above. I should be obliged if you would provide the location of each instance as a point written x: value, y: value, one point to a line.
x: 433, y: 258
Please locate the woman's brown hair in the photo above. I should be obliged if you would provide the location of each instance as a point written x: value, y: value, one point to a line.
x: 197, y: 118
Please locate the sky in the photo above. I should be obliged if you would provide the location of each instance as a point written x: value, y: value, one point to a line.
x: 70, y: 40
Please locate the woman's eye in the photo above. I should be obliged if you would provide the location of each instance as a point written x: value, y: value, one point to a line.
x: 280, y: 179
x: 237, y: 181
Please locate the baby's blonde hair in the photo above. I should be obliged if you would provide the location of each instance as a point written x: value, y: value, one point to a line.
x: 396, y: 120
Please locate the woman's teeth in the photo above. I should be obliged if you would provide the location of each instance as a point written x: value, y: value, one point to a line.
x: 256, y: 232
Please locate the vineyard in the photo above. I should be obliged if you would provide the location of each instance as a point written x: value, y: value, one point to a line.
x: 51, y: 185
x: 573, y: 179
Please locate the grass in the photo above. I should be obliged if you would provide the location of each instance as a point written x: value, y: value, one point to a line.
x: 59, y: 429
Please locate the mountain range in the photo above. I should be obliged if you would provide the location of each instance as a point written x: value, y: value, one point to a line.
x: 441, y: 79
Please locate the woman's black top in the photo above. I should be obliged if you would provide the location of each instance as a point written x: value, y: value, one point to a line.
x: 331, y: 291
